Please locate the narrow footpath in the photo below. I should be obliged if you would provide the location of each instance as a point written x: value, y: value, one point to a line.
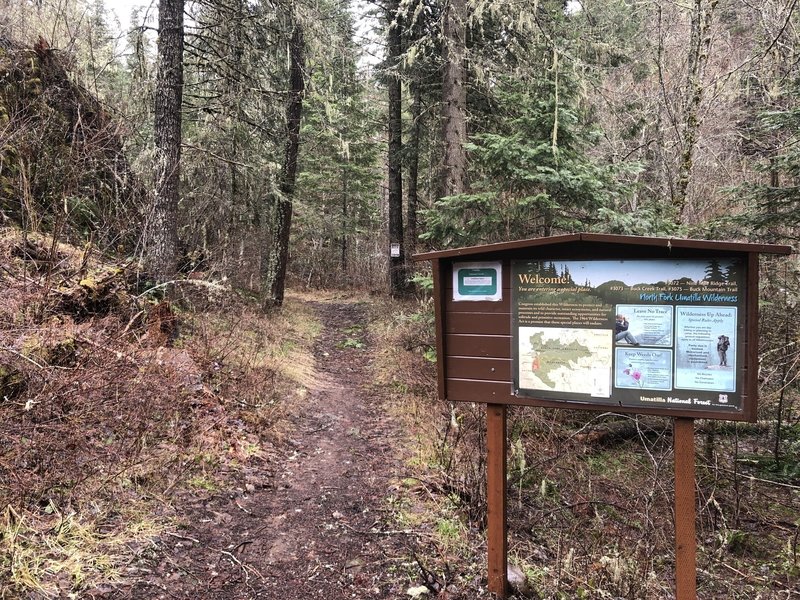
x: 316, y: 527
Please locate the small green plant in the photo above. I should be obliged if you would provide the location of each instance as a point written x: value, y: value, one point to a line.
x: 788, y: 558
x: 201, y: 482
x: 786, y: 470
x: 449, y: 530
x: 287, y: 347
x: 351, y: 343
x: 548, y: 489
x: 423, y: 282
x: 251, y: 449
x: 429, y: 354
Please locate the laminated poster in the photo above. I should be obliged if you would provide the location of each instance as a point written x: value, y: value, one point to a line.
x: 658, y: 333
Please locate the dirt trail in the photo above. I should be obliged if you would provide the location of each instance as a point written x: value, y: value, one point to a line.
x: 315, y: 528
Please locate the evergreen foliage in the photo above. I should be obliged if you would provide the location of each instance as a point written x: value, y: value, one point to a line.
x: 533, y: 174
x: 775, y: 204
x: 337, y: 193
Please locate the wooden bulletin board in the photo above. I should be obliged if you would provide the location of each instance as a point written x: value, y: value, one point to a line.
x: 601, y: 322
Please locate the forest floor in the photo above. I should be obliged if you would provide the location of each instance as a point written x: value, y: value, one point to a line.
x: 194, y: 447
x: 318, y: 525
x: 197, y: 448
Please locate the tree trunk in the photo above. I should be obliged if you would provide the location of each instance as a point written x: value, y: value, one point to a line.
x: 238, y: 270
x: 274, y: 275
x: 397, y: 273
x: 343, y: 247
x: 454, y: 101
x: 161, y: 250
x: 699, y: 47
x: 413, y: 170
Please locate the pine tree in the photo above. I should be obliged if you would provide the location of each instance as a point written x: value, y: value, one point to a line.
x: 397, y: 268
x: 275, y: 266
x: 454, y: 99
x: 161, y: 250
x: 775, y: 204
x: 714, y: 272
x: 533, y: 176
x: 338, y: 193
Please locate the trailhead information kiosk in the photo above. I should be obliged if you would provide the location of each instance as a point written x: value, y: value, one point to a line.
x: 606, y: 323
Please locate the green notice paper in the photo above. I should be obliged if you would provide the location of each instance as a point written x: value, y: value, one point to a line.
x: 477, y: 281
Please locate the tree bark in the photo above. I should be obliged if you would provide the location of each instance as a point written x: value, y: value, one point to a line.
x: 161, y: 250
x: 343, y: 245
x: 413, y: 169
x: 397, y: 272
x: 454, y: 100
x: 274, y: 275
x: 699, y: 48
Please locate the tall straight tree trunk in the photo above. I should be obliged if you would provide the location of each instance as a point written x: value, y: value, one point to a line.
x: 236, y: 269
x: 413, y: 169
x: 699, y: 48
x: 161, y: 251
x: 343, y: 246
x: 454, y: 100
x: 453, y: 176
x: 397, y: 274
x: 274, y: 275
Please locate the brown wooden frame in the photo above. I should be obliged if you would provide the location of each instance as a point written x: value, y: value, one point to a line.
x: 474, y: 338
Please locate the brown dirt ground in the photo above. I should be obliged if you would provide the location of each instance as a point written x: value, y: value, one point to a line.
x: 312, y: 527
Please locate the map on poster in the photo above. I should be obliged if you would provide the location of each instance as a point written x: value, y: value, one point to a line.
x: 658, y: 333
x: 566, y: 360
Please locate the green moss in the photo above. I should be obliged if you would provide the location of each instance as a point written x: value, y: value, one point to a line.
x: 61, y: 353
x: 12, y: 382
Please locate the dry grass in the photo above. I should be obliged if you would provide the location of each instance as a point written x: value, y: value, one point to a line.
x: 441, y: 495
x: 54, y: 554
x: 114, y: 400
x: 590, y: 496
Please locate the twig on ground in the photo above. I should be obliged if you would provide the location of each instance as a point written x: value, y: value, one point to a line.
x: 182, y: 537
x: 131, y: 322
x: 388, y: 533
x: 207, y: 284
x: 759, y: 479
x: 22, y: 356
x: 241, y: 544
x: 243, y: 567
x: 744, y: 576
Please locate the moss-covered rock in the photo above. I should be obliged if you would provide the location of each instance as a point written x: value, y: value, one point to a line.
x: 51, y: 351
x: 12, y: 382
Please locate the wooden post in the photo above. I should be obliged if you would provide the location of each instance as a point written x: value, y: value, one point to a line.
x: 496, y: 541
x: 685, y: 539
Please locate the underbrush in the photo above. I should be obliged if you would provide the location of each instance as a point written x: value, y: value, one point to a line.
x: 441, y: 497
x: 590, y: 497
x: 114, y: 399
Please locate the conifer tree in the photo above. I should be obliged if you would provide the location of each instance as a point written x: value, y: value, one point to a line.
x: 338, y: 188
x: 397, y: 270
x: 161, y: 250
